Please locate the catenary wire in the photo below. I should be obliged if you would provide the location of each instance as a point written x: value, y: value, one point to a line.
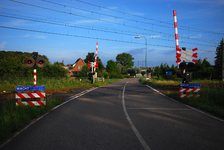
x: 89, y: 28
x: 167, y: 34
x: 193, y: 29
x: 80, y: 36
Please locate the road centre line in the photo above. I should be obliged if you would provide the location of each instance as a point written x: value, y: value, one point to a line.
x: 142, y: 141
x: 202, y: 112
x: 161, y: 108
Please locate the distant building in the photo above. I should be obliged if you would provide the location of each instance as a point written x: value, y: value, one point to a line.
x: 75, y: 68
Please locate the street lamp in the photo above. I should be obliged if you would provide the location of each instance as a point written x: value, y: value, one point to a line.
x: 138, y: 37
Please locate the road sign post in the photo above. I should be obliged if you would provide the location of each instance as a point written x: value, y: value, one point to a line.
x: 32, y: 62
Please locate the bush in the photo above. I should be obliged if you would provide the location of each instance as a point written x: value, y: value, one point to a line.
x: 113, y: 75
x: 121, y: 77
x: 126, y: 76
x: 104, y: 74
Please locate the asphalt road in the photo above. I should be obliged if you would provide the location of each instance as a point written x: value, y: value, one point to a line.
x: 121, y: 116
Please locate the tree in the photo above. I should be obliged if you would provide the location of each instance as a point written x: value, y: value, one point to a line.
x: 111, y: 66
x: 219, y: 58
x: 122, y: 69
x: 11, y: 65
x: 125, y: 59
x: 203, y: 69
x: 91, y: 57
x: 84, y: 70
x: 58, y: 63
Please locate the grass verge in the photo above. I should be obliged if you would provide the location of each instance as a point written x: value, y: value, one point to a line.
x: 13, y: 118
x: 211, y: 99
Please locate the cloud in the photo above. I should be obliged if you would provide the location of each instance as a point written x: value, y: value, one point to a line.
x: 197, y: 36
x: 137, y: 51
x: 2, y: 45
x: 16, y: 23
x: 35, y: 36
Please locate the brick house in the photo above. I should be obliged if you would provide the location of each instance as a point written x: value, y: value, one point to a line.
x: 75, y: 68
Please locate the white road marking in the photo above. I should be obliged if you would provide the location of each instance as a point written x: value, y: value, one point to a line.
x: 161, y: 108
x: 142, y: 141
x: 187, y: 105
x: 74, y: 97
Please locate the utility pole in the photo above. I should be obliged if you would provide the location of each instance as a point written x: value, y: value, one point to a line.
x: 138, y: 37
x: 222, y: 59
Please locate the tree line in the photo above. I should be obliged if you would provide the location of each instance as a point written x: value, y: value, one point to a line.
x: 113, y: 69
x: 11, y: 66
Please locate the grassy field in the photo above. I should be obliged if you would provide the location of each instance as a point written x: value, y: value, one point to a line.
x: 212, y: 94
x: 51, y: 83
x: 13, y: 118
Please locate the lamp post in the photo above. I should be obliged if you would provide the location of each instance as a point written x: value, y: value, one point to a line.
x: 138, y: 37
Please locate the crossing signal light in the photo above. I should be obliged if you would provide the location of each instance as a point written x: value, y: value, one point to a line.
x: 190, y: 66
x: 182, y: 65
x: 40, y: 62
x: 29, y: 62
x: 149, y: 70
x: 187, y: 77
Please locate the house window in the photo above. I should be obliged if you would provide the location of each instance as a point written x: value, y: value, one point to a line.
x: 79, y: 67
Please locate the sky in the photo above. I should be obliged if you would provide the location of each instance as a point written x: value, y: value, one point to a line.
x: 69, y: 29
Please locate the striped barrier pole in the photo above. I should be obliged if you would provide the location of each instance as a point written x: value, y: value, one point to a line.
x: 35, y: 77
x: 96, y: 56
x: 149, y: 77
x: 176, y: 37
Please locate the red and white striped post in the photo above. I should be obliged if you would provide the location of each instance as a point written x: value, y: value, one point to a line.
x: 176, y: 35
x: 150, y: 77
x: 35, y: 77
x: 96, y: 56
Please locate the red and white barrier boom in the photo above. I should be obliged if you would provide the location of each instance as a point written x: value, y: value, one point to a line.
x: 96, y: 62
x: 176, y: 35
x: 178, y: 50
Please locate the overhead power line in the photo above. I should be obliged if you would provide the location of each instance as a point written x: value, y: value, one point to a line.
x: 86, y: 27
x: 105, y: 39
x: 80, y: 36
x: 144, y: 29
x: 117, y: 17
x: 146, y: 18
